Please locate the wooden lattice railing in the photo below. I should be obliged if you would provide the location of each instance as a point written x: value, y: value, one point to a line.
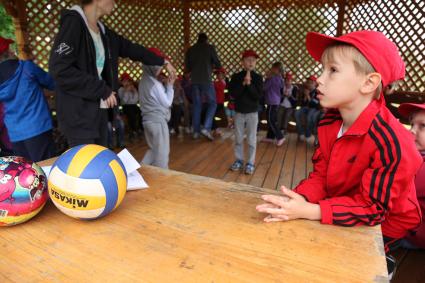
x: 403, y: 22
x: 275, y: 28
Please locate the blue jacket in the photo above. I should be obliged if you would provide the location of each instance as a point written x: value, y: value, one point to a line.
x: 26, y: 111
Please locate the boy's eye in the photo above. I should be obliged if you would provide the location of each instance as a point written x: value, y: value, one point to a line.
x: 332, y: 69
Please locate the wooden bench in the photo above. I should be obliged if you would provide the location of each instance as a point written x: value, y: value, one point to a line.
x: 188, y: 228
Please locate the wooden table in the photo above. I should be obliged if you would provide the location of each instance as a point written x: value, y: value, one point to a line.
x: 187, y: 228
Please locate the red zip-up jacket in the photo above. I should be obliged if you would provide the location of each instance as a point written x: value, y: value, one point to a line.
x: 365, y: 177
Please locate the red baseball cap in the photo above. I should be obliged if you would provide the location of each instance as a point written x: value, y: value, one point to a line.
x: 158, y: 53
x: 381, y: 52
x: 406, y: 109
x: 220, y: 71
x: 125, y: 76
x: 288, y: 76
x: 4, y: 44
x: 249, y: 53
x: 312, y: 78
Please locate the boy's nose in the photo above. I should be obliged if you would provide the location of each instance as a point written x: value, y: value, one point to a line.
x: 319, y: 79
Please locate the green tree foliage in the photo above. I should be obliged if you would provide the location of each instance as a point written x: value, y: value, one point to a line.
x: 7, y: 29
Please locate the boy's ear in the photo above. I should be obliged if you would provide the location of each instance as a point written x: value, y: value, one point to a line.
x: 371, y: 83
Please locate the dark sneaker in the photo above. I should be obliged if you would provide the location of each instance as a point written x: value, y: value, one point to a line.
x: 237, y: 165
x: 391, y: 266
x: 249, y: 169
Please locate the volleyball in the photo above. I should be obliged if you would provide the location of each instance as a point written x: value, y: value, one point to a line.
x: 87, y: 182
x: 23, y: 190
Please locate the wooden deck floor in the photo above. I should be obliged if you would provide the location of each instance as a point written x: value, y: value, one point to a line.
x: 275, y: 166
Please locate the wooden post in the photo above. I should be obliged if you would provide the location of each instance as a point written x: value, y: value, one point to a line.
x: 17, y: 10
x: 341, y: 14
x: 186, y: 24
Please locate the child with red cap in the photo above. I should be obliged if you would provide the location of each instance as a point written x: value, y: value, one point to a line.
x: 416, y: 115
x: 366, y: 161
x: 247, y: 88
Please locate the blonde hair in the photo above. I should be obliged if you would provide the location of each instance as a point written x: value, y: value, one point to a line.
x: 361, y: 65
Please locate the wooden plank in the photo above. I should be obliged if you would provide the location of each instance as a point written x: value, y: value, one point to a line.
x: 287, y: 172
x: 300, y: 163
x: 341, y: 14
x: 411, y: 268
x: 263, y: 166
x: 309, y: 164
x: 192, y: 155
x: 273, y: 174
x: 221, y: 156
x: 209, y: 160
x: 224, y: 164
x: 261, y: 149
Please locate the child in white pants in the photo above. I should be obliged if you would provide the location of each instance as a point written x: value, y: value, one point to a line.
x: 156, y: 98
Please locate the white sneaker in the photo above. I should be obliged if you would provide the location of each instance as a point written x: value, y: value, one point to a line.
x: 310, y: 139
x: 172, y: 132
x: 301, y: 137
x: 188, y: 130
x: 207, y: 134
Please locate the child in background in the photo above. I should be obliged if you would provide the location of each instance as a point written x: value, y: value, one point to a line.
x: 219, y: 86
x: 273, y: 87
x: 26, y: 112
x: 178, y: 108
x: 288, y: 104
x: 365, y: 162
x: 155, y: 102
x: 229, y: 108
x: 416, y: 115
x: 306, y: 116
x: 116, y: 129
x: 129, y: 98
x: 247, y: 88
x: 187, y: 88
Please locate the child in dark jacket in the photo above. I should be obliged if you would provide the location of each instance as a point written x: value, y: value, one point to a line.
x: 246, y: 87
x: 84, y: 63
x: 366, y: 161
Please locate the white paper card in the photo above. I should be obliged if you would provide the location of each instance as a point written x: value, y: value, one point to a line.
x: 135, y: 180
x: 47, y: 170
x: 128, y: 160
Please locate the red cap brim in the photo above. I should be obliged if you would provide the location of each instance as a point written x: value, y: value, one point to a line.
x: 316, y: 44
x: 406, y: 109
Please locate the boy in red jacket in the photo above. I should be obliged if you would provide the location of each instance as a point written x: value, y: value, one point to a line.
x: 366, y: 161
x: 416, y: 115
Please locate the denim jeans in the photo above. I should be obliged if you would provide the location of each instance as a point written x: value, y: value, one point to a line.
x: 310, y: 116
x: 203, y: 93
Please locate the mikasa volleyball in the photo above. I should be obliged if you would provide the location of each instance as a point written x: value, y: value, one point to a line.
x: 87, y: 182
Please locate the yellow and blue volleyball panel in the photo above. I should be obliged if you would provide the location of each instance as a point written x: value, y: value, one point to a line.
x: 87, y: 182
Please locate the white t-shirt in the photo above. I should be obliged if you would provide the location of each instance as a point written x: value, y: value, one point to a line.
x: 340, y: 133
x: 100, y: 58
